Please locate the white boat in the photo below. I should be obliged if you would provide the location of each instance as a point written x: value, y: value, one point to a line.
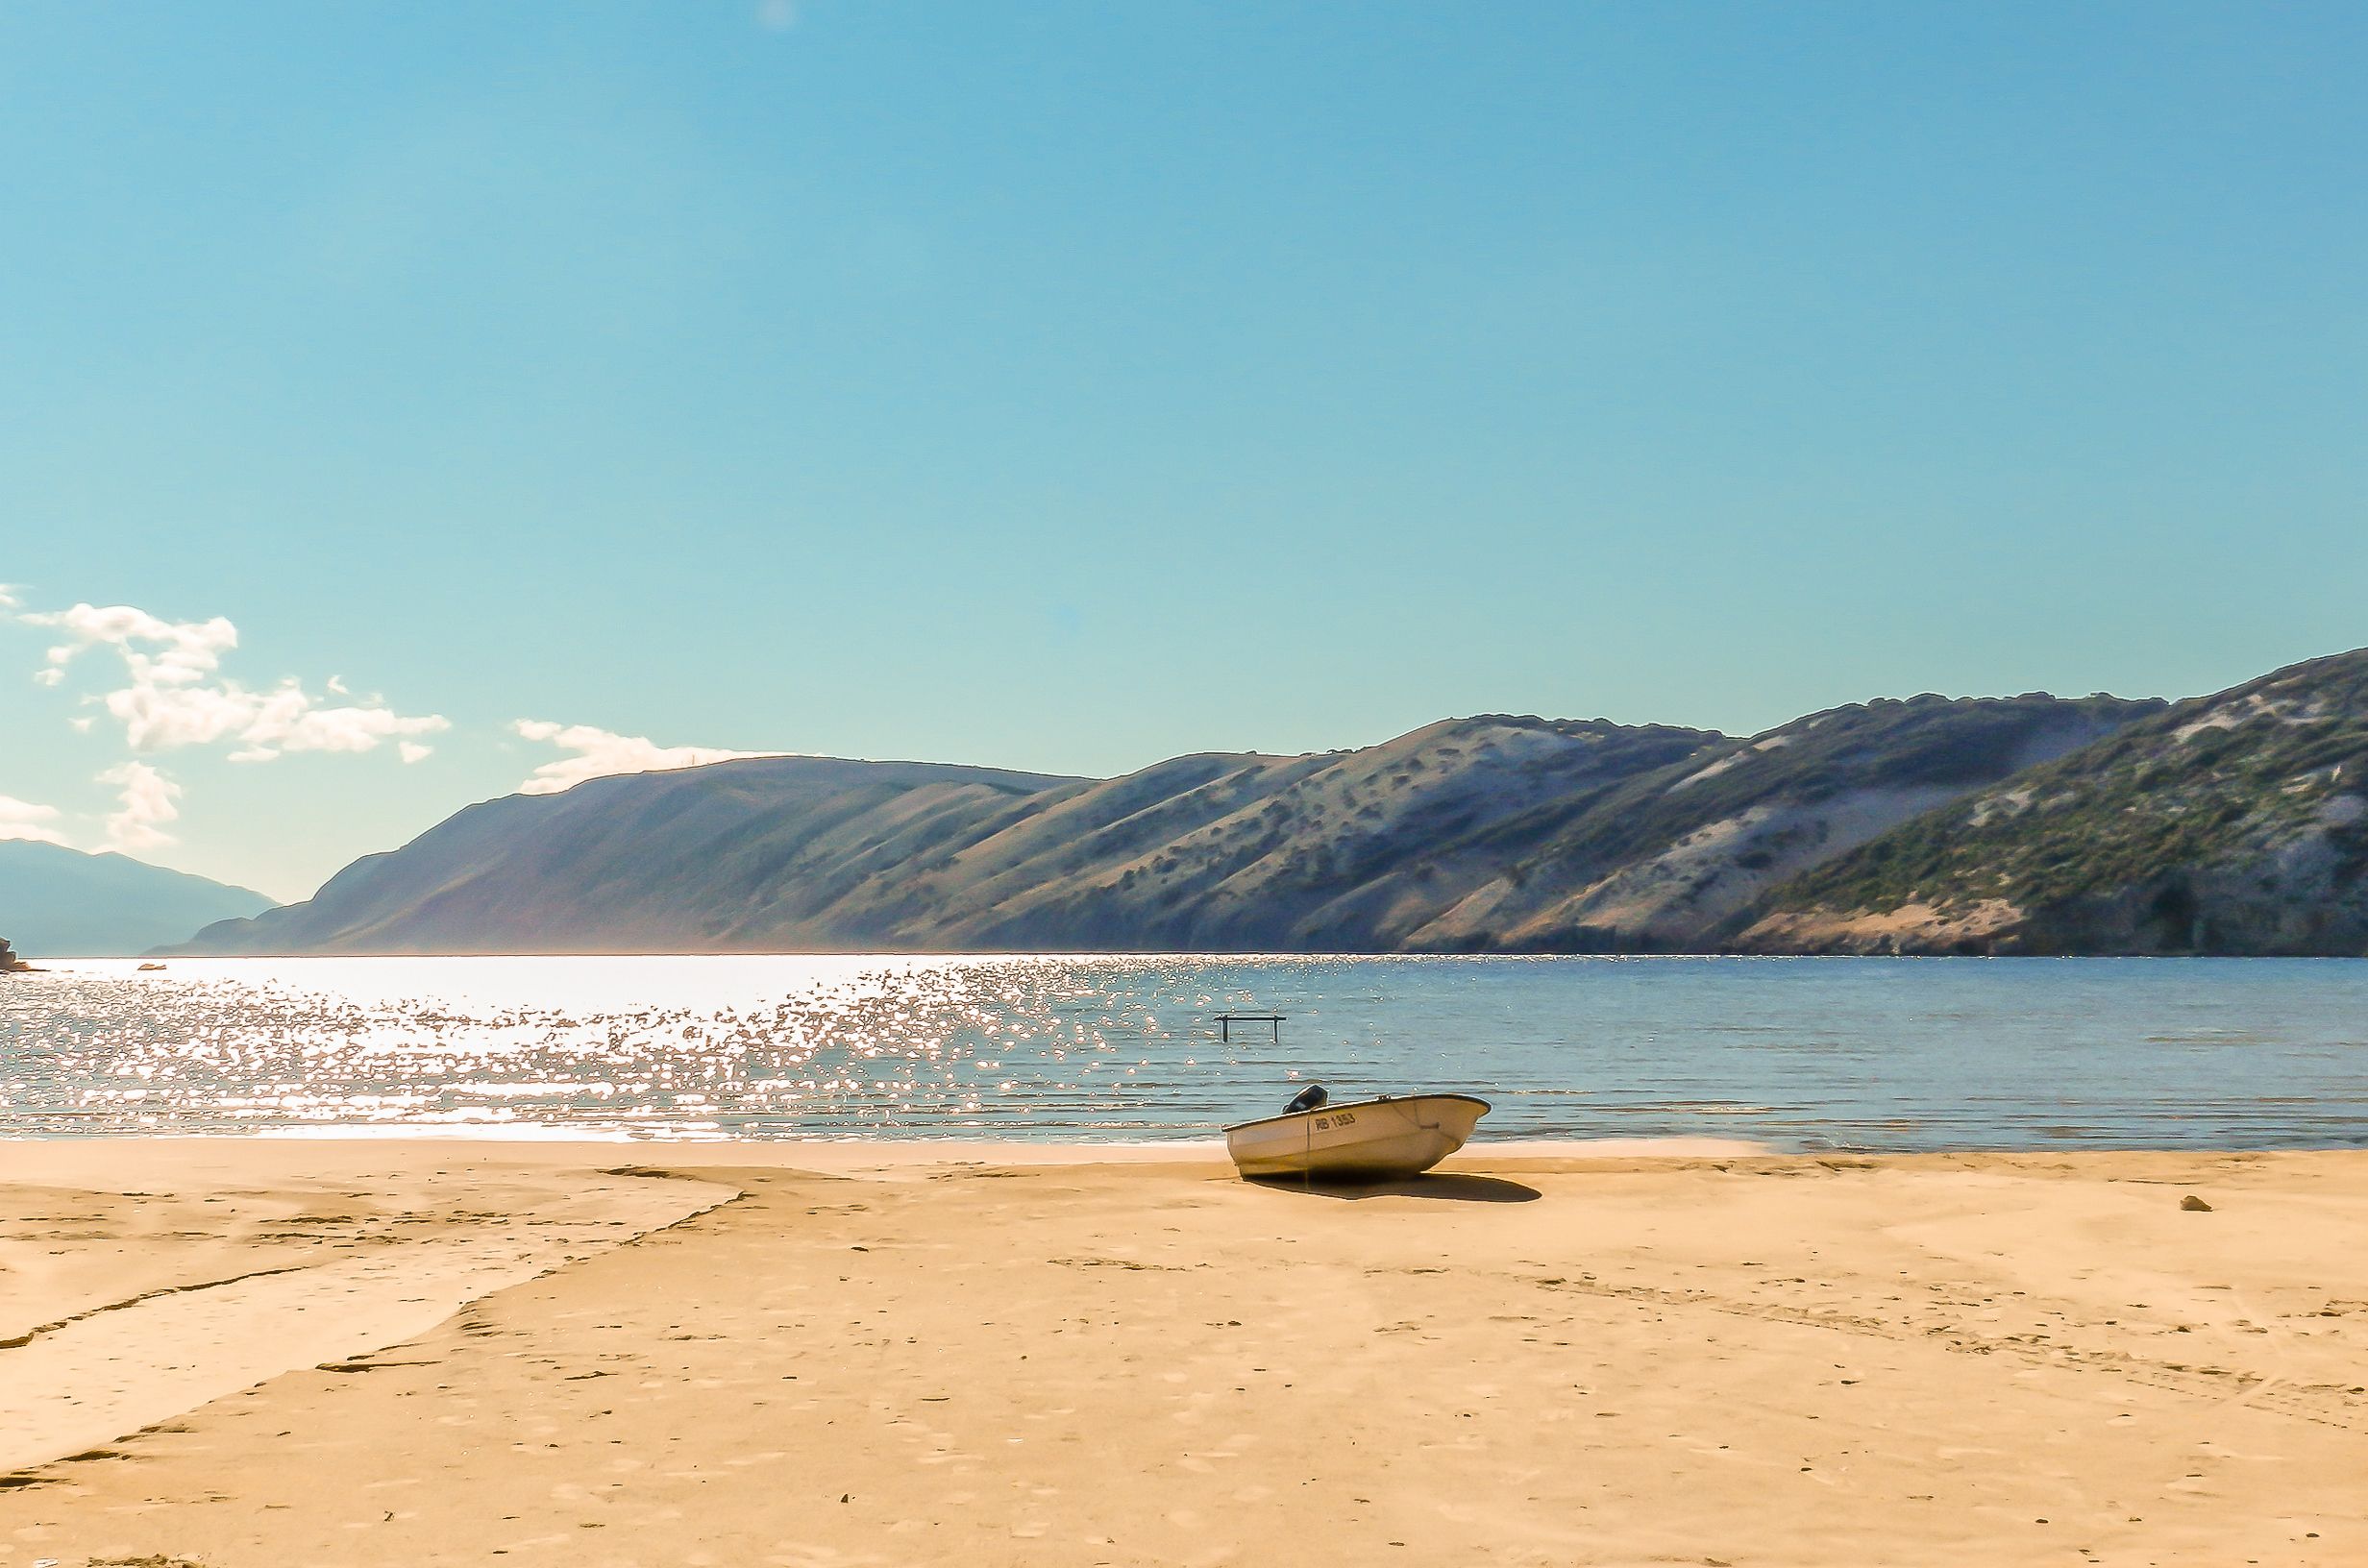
x: 1365, y: 1141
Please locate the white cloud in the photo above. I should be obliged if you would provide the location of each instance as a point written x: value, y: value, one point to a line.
x: 8, y: 598
x: 25, y: 819
x: 600, y: 753
x: 176, y: 695
x: 148, y: 801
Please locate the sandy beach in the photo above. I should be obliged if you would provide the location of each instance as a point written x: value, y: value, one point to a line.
x: 229, y: 1353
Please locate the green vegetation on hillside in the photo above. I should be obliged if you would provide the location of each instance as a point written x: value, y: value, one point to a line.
x: 1667, y: 860
x: 1925, y: 741
x: 2214, y: 782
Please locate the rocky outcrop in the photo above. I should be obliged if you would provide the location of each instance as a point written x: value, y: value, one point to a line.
x: 2235, y: 823
x: 1681, y: 859
x: 10, y: 963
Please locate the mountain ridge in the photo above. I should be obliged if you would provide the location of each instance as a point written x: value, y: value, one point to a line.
x: 2233, y: 822
x: 1492, y: 833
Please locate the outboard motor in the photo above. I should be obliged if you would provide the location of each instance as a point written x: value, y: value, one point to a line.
x: 1309, y: 1098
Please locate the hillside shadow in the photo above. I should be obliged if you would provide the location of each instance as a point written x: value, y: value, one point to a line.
x: 1450, y: 1188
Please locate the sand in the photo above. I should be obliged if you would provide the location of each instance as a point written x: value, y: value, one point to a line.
x: 274, y: 1353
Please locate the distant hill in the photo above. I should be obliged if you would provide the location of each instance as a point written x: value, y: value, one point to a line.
x: 1493, y: 833
x: 733, y: 856
x: 60, y: 903
x: 2233, y: 823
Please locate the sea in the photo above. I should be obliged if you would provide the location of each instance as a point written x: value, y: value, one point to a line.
x: 1794, y: 1053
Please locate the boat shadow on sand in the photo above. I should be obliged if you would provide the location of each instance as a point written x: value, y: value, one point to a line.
x: 1453, y: 1187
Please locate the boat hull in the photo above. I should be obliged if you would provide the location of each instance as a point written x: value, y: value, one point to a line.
x: 1367, y: 1140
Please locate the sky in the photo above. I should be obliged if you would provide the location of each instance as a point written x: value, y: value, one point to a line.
x: 404, y: 404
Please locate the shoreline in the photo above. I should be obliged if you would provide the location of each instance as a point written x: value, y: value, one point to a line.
x: 922, y: 1150
x: 386, y: 1351
x: 1065, y: 1151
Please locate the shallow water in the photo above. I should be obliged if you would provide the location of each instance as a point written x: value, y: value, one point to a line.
x: 1799, y: 1053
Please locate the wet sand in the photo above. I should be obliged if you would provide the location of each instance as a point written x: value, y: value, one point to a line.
x: 359, y: 1352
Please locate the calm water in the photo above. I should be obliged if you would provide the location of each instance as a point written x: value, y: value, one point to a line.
x: 1801, y: 1053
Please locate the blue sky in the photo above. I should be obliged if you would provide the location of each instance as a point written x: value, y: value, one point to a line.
x: 1066, y: 386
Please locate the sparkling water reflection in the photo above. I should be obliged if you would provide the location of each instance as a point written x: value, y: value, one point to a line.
x: 1802, y: 1053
